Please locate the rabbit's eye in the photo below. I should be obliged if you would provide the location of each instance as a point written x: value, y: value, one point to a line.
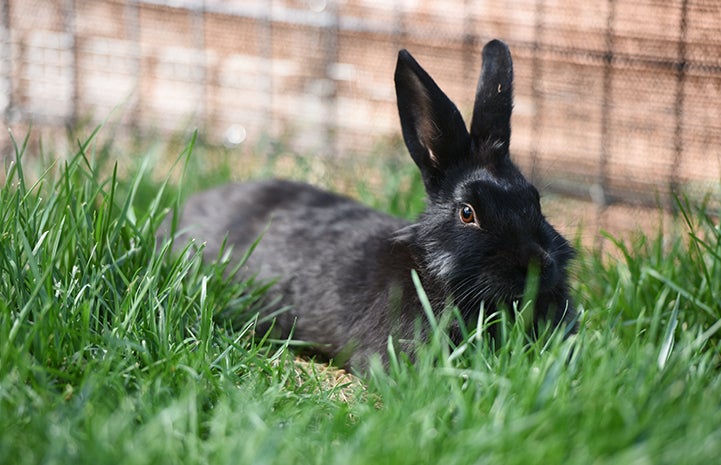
x: 467, y: 214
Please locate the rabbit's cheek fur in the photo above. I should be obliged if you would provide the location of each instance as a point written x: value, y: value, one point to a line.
x: 491, y: 267
x: 442, y: 263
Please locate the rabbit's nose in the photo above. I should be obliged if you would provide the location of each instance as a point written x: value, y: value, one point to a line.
x: 537, y: 257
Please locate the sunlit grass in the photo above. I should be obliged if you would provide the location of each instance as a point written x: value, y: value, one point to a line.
x: 112, y: 349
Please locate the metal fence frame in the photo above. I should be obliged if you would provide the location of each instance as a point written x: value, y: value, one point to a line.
x: 332, y: 24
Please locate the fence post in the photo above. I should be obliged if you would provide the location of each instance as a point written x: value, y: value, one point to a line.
x: 681, y: 68
x: 330, y: 94
x: 71, y: 31
x: 6, y: 64
x: 266, y: 51
x: 6, y: 57
x: 536, y: 94
x: 469, y: 43
x: 197, y: 14
x: 399, y: 26
x: 132, y: 30
x: 599, y: 192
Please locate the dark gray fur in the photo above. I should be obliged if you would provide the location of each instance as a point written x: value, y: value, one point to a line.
x: 344, y: 270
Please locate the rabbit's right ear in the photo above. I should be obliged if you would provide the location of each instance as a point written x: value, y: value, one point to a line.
x: 432, y: 126
x: 491, y: 122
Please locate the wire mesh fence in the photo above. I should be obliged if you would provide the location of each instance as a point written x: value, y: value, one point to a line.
x: 618, y: 102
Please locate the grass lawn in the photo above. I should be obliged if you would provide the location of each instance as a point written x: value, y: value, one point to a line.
x: 111, y: 349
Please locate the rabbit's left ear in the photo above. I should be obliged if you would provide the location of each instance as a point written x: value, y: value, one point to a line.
x: 433, y: 128
x: 491, y: 123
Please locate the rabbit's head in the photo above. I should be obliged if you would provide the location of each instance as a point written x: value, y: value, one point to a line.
x: 483, y: 232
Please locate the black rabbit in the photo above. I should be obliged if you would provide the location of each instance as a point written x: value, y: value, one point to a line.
x: 344, y: 270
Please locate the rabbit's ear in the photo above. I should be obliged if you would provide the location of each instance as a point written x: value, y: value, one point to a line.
x: 432, y: 126
x: 491, y: 123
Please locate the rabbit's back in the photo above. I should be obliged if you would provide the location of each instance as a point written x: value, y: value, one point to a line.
x: 301, y: 221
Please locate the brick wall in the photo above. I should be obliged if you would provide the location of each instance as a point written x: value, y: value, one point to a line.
x: 616, y: 101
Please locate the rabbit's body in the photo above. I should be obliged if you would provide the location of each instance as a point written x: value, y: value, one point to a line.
x: 344, y: 270
x: 336, y: 278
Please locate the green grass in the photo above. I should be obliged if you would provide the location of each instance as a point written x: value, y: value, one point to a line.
x: 111, y: 350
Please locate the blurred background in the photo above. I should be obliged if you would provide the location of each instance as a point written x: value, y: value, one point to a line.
x: 617, y: 107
